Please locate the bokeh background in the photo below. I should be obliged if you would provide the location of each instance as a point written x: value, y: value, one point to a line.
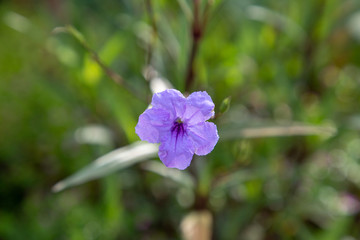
x: 290, y: 67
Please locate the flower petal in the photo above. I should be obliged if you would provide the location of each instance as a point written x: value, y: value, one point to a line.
x: 152, y: 124
x: 172, y: 100
x: 176, y: 152
x: 199, y: 108
x: 204, y: 137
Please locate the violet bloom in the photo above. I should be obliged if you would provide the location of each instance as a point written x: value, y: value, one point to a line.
x: 179, y: 125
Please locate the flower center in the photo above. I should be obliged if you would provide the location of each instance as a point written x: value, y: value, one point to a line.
x: 178, y: 128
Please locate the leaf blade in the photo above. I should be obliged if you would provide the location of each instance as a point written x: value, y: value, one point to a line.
x: 109, y: 163
x: 276, y: 131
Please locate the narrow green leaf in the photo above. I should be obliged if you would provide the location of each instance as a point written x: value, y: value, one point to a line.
x: 184, y: 5
x: 281, y: 22
x: 178, y: 176
x: 237, y: 132
x: 109, y: 163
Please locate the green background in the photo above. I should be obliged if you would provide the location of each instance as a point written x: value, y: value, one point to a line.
x: 282, y: 62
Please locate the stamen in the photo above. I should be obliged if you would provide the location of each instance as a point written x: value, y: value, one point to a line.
x: 178, y: 120
x: 179, y: 129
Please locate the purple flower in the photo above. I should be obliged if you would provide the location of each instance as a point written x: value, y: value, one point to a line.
x: 179, y: 125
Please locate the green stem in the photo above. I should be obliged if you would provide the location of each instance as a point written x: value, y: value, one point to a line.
x: 150, y: 13
x: 110, y: 73
x: 198, y: 28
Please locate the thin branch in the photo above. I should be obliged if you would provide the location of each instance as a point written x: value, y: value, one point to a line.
x: 198, y: 28
x: 208, y: 5
x: 150, y: 13
x: 110, y: 73
x: 190, y: 73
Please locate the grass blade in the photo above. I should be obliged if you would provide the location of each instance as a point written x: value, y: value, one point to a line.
x: 176, y: 175
x: 109, y: 163
x: 275, y: 131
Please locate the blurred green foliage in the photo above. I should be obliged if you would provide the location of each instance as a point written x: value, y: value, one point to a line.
x: 280, y: 61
